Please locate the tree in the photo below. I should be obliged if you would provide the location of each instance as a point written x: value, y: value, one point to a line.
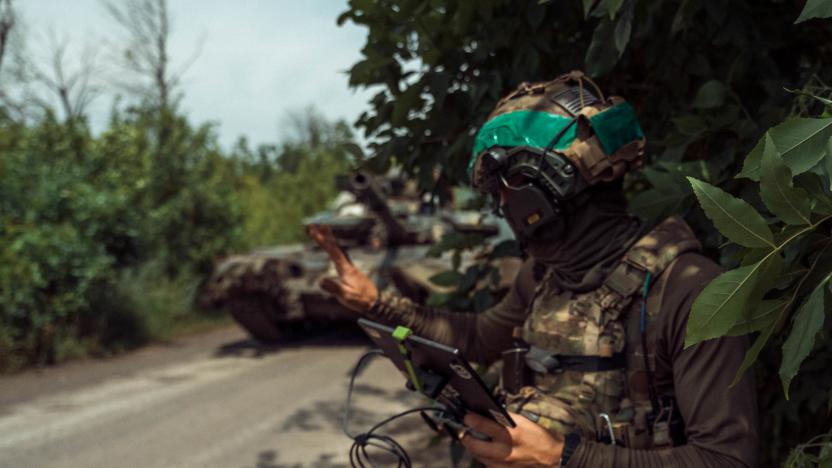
x: 9, y: 35
x: 145, y: 54
x: 7, y: 22
x: 75, y: 89
x: 307, y: 130
x: 707, y: 78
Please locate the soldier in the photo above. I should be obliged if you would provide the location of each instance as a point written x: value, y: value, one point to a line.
x: 592, y: 331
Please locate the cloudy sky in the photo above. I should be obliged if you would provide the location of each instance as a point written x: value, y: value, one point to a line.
x: 260, y: 59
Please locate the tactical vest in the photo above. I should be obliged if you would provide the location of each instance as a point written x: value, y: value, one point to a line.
x: 608, y: 325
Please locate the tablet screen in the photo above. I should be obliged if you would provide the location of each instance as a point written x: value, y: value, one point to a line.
x: 442, y: 372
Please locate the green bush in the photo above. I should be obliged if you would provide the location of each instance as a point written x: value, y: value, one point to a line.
x: 275, y: 208
x: 105, y: 239
x: 78, y: 213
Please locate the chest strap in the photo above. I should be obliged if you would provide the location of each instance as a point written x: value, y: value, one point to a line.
x: 542, y: 361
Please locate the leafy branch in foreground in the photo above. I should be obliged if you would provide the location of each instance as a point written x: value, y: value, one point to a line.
x: 781, y: 265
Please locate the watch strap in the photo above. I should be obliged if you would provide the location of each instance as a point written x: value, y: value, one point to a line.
x: 570, y: 443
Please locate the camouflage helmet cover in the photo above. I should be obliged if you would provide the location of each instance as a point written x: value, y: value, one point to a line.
x: 606, y: 143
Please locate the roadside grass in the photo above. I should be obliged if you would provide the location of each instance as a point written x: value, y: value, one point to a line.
x: 141, y: 306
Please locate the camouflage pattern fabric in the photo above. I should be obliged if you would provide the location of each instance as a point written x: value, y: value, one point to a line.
x: 592, y: 324
x: 587, y: 151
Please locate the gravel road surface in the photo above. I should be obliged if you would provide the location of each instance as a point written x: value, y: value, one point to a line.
x: 213, y: 400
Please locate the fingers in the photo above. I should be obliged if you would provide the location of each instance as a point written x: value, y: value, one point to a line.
x: 493, y: 453
x: 323, y: 236
x: 332, y: 286
x: 357, y: 300
x: 487, y: 427
x: 489, y: 453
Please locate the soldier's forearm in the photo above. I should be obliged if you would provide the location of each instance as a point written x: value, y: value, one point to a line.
x: 458, y: 329
x: 439, y: 325
x: 593, y: 454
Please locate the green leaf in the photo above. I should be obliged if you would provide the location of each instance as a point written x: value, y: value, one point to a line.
x: 447, y: 278
x: 456, y: 259
x: 725, y: 300
x: 819, y: 270
x: 827, y: 163
x: 808, y: 321
x: 588, y: 4
x: 655, y: 203
x: 788, y: 203
x: 711, y: 94
x: 506, y: 248
x: 600, y: 57
x: 815, y: 9
x: 821, y: 196
x: 733, y: 217
x: 612, y: 7
x: 668, y: 195
x: 684, y: 15
x: 690, y: 124
x: 754, y: 351
x: 406, y: 102
x: 623, y: 29
x: 469, y: 280
x: 758, y: 318
x: 801, y: 142
x: 437, y: 299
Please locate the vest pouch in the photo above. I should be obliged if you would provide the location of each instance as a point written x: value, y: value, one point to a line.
x: 554, y: 414
x: 633, y: 427
x: 515, y: 374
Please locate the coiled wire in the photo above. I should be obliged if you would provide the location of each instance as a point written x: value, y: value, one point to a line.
x: 359, y: 457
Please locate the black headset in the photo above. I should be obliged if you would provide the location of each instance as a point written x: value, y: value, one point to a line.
x: 538, y: 182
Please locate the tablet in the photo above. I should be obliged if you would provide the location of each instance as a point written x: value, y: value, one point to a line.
x: 438, y: 371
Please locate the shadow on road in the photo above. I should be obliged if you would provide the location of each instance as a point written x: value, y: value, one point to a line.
x: 326, y: 417
x: 270, y: 459
x: 326, y: 337
x: 429, y: 452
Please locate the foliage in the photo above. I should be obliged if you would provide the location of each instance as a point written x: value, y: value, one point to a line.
x: 707, y: 79
x: 702, y: 92
x: 480, y: 285
x: 820, y: 456
x: 105, y: 238
x: 76, y: 209
x: 783, y: 261
x: 276, y: 207
x: 283, y: 186
x: 783, y: 270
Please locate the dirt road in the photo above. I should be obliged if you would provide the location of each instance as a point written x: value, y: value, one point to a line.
x: 215, y: 400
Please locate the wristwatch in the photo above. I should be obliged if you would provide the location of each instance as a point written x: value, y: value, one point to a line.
x: 570, y: 443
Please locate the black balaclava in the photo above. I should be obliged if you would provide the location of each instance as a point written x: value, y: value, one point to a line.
x: 597, y: 234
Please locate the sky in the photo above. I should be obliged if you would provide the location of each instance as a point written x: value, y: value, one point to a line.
x: 259, y: 60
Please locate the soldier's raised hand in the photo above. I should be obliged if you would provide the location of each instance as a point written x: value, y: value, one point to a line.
x: 352, y: 287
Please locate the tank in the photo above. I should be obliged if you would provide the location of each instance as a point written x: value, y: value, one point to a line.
x: 386, y: 229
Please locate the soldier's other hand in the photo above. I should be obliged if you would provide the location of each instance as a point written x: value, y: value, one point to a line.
x: 351, y: 287
x: 527, y: 445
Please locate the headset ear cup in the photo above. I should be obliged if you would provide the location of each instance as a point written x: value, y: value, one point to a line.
x: 528, y: 209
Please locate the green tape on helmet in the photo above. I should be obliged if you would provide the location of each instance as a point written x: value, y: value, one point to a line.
x: 530, y: 128
x: 615, y: 127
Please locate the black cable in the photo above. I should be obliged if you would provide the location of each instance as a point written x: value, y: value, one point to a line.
x: 358, y: 450
x: 366, y: 356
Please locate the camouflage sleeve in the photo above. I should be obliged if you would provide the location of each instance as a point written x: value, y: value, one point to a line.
x: 720, y: 420
x: 481, y: 336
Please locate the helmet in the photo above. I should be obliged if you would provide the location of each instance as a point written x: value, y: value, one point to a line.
x: 546, y: 143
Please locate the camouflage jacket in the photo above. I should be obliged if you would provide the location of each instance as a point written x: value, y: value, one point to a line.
x: 719, y: 422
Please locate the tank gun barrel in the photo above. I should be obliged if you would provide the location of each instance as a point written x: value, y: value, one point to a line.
x: 367, y: 191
